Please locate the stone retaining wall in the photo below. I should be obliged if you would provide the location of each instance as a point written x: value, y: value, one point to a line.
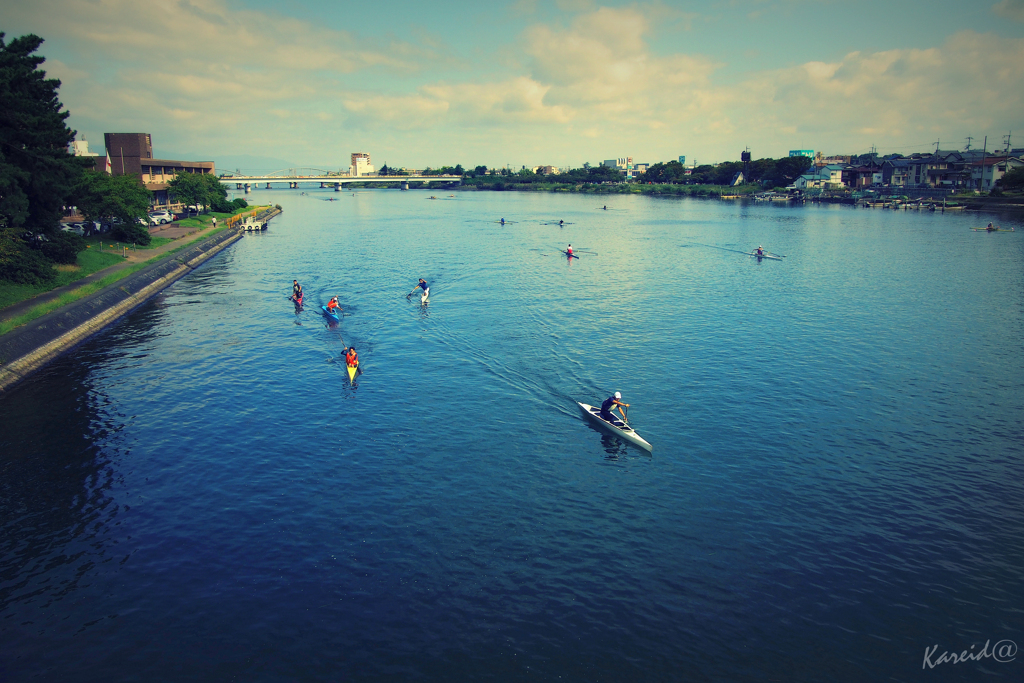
x: 28, y: 348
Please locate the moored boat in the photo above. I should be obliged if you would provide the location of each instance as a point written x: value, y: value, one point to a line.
x: 616, y: 427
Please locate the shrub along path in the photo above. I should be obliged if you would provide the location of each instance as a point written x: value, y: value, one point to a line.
x: 134, y: 258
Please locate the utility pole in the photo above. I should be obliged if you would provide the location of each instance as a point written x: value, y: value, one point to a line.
x: 984, y: 150
x: 937, y: 146
x: 1006, y: 139
x: 968, y: 148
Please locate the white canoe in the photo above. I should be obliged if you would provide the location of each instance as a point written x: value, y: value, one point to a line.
x: 617, y: 427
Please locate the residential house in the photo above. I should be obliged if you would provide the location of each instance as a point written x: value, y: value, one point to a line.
x: 896, y: 172
x: 985, y: 173
x: 862, y: 176
x: 825, y: 178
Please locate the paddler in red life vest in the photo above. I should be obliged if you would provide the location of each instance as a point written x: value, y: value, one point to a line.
x: 333, y: 304
x: 351, y: 357
x: 609, y: 405
x: 568, y: 252
x: 297, y: 294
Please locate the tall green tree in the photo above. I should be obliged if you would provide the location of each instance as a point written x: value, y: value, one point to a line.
x: 189, y: 189
x: 1013, y: 179
x: 101, y: 197
x: 37, y: 174
x: 216, y: 196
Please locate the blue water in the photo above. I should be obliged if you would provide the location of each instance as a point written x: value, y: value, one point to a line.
x: 199, y: 493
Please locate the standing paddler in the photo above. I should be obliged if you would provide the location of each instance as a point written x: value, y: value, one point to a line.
x: 422, y: 284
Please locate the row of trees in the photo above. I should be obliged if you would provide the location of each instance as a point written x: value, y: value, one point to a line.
x: 767, y: 172
x: 588, y: 174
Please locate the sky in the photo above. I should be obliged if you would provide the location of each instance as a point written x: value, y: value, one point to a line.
x: 532, y: 82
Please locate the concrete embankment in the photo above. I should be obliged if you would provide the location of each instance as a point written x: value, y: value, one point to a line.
x: 28, y: 348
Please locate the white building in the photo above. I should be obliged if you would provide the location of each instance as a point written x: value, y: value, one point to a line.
x: 80, y: 148
x: 621, y: 163
x: 991, y: 171
x: 360, y: 164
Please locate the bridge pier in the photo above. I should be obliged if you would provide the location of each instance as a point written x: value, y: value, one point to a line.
x: 405, y: 184
x: 268, y: 186
x: 337, y: 187
x: 248, y: 188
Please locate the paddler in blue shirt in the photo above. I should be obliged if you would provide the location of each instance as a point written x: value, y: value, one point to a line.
x: 760, y: 250
x: 609, y: 405
x: 421, y: 285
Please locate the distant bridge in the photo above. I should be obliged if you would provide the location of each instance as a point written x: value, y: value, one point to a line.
x: 294, y: 176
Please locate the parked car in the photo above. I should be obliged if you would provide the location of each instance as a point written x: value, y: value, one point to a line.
x: 160, y: 217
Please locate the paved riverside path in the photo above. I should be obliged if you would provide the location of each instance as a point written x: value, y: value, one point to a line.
x: 170, y: 230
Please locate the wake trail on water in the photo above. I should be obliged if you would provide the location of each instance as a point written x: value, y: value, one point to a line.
x: 544, y: 381
x: 715, y: 246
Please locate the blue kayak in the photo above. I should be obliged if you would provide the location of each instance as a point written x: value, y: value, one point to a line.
x: 332, y: 316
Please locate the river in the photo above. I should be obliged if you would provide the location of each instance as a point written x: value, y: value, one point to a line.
x: 199, y: 493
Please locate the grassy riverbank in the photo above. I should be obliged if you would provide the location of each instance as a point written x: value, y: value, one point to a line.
x: 102, y: 252
x: 89, y: 288
x: 89, y: 262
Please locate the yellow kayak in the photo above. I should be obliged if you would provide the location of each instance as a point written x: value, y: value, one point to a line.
x: 352, y: 370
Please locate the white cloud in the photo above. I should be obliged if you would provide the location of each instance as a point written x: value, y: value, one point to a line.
x: 1011, y: 9
x: 201, y: 76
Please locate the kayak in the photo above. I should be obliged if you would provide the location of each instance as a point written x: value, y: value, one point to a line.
x: 352, y: 370
x: 992, y: 230
x: 567, y: 254
x: 771, y: 256
x: 617, y: 427
x: 330, y: 315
